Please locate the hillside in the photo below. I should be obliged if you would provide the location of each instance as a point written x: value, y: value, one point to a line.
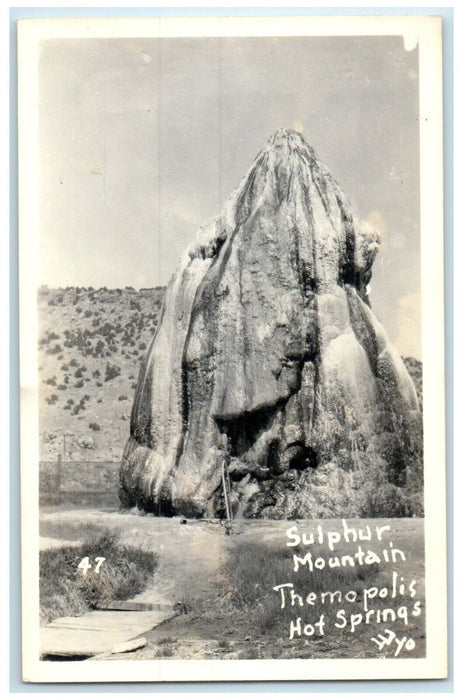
x: 91, y: 342
x: 415, y: 370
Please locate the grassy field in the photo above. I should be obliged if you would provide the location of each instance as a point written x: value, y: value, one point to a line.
x: 334, y: 622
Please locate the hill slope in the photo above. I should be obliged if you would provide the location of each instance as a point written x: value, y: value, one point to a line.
x: 91, y: 342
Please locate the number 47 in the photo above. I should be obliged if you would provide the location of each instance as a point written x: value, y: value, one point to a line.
x: 85, y: 564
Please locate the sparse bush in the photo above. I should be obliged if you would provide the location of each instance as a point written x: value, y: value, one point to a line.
x: 52, y: 399
x: 61, y: 387
x: 94, y: 426
x: 79, y: 384
x: 111, y: 372
x: 122, y: 397
x: 48, y: 337
x: 54, y: 350
x: 99, y: 347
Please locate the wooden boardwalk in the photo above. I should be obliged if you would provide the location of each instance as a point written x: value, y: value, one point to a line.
x: 98, y: 631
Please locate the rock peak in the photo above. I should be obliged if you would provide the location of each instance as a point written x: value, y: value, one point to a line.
x: 268, y: 358
x: 289, y: 141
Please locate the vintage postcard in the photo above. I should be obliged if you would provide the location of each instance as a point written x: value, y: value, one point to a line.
x: 232, y: 348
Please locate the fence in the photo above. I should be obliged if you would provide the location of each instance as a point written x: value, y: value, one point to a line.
x: 93, y: 484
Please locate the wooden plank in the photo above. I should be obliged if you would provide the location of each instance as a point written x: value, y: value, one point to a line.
x: 131, y: 645
x: 135, y: 605
x: 97, y: 631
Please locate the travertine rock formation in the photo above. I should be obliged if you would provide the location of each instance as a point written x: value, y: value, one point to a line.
x: 269, y: 354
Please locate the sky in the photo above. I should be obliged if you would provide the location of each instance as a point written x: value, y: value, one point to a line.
x: 141, y: 141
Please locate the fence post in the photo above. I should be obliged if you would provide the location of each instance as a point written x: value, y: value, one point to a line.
x: 59, y: 473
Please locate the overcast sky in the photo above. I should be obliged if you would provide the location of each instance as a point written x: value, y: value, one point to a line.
x: 142, y: 141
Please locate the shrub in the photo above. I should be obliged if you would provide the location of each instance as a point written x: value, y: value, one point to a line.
x: 99, y: 347
x: 122, y: 397
x: 94, y: 426
x: 54, y: 350
x: 111, y: 372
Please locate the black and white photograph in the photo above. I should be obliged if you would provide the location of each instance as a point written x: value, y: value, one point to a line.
x: 232, y: 328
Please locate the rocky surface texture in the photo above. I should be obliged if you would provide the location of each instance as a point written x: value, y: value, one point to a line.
x: 268, y: 353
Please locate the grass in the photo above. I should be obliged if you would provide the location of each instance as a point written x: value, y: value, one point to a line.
x: 66, y: 591
x: 253, y: 569
x: 80, y: 531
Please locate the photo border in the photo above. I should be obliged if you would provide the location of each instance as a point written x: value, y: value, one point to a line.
x: 434, y: 358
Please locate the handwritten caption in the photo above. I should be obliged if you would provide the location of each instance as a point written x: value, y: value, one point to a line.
x: 85, y: 565
x: 366, y: 550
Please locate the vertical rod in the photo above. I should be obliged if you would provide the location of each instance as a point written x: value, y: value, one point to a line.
x: 225, y: 494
